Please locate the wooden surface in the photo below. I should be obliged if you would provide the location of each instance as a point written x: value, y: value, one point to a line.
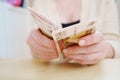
x: 31, y: 69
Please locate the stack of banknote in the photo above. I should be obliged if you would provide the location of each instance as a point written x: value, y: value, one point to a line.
x: 69, y: 36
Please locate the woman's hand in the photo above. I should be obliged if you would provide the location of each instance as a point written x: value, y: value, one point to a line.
x: 41, y: 46
x: 91, y: 49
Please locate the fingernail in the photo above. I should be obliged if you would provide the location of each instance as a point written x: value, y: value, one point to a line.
x: 82, y: 42
x: 65, y: 50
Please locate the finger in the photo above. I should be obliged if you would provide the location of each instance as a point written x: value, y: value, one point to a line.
x: 40, y: 52
x: 83, y: 50
x: 91, y: 39
x: 43, y: 55
x: 87, y: 62
x: 42, y: 40
x: 33, y: 44
x: 88, y: 57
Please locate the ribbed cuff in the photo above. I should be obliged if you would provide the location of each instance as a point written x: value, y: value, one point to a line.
x: 116, y: 47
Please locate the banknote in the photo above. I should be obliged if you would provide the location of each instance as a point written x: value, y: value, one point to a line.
x: 71, y: 35
x: 68, y: 36
x: 46, y: 26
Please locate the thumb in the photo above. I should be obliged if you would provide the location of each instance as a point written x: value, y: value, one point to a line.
x: 91, y: 39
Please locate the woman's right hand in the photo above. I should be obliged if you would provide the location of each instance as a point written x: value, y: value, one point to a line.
x: 41, y: 46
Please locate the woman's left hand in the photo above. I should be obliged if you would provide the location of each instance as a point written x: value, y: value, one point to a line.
x: 91, y: 49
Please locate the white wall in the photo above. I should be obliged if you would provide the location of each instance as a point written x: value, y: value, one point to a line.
x: 13, y: 32
x: 118, y: 5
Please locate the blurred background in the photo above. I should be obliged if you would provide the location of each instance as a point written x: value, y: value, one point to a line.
x: 14, y: 25
x: 14, y: 28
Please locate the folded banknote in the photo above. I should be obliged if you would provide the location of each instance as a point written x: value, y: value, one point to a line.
x: 68, y: 36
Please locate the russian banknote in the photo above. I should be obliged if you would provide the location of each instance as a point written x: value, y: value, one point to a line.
x: 68, y: 36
